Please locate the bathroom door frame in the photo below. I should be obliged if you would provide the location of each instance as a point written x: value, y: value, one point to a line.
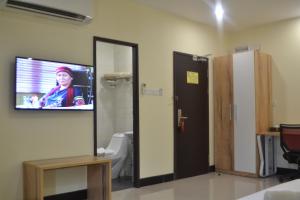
x: 135, y: 105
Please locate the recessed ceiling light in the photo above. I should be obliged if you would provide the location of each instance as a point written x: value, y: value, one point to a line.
x: 219, y: 12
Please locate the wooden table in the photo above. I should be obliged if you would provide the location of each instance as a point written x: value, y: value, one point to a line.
x: 98, y: 175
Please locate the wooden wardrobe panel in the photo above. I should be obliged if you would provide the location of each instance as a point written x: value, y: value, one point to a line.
x: 223, y: 122
x: 263, y: 91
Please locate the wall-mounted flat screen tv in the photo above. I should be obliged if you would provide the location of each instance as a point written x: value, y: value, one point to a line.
x: 51, y: 85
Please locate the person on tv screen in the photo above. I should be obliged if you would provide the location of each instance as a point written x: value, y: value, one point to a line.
x: 64, y: 94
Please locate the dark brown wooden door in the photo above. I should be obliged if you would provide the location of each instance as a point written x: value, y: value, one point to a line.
x: 190, y: 115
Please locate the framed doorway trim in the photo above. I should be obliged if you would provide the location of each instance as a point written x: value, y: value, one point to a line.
x: 135, y: 89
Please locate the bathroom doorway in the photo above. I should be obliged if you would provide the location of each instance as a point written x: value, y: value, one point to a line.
x: 116, y: 134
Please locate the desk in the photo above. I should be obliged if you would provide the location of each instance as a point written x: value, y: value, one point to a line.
x: 98, y: 175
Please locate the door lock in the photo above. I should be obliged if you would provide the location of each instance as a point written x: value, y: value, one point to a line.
x: 180, y: 118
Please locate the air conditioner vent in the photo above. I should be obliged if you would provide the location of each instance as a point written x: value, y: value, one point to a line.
x: 48, y: 10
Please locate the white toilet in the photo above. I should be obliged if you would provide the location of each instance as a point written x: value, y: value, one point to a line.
x: 116, y: 151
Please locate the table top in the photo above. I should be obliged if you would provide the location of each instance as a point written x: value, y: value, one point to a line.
x: 58, y: 163
x: 273, y: 131
x: 269, y: 133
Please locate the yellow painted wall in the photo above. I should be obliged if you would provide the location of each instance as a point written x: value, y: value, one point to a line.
x: 27, y: 135
x: 281, y: 40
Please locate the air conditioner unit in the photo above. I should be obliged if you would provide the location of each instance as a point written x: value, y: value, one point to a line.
x: 79, y: 10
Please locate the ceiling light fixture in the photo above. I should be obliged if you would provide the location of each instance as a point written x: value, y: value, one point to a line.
x: 219, y: 11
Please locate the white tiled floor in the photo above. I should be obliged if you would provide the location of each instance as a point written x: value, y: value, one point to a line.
x: 205, y: 187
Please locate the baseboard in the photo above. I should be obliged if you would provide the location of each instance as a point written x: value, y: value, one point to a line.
x: 212, y: 168
x: 156, y: 179
x: 76, y: 195
x: 282, y: 171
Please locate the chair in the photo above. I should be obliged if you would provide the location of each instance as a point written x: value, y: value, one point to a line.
x: 290, y: 144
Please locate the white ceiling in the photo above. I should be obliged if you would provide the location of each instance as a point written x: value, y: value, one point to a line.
x: 239, y: 14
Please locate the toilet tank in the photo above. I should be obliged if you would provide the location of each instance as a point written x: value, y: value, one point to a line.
x: 117, y: 142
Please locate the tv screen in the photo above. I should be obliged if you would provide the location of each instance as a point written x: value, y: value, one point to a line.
x: 51, y: 85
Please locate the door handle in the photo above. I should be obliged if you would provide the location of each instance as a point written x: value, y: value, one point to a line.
x: 179, y: 114
x: 180, y: 118
x: 183, y: 117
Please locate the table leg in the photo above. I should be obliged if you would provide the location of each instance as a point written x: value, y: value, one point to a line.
x: 33, y: 183
x: 99, y: 181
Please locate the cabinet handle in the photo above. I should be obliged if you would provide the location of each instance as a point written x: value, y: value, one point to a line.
x: 235, y: 112
x: 221, y: 111
x: 230, y: 112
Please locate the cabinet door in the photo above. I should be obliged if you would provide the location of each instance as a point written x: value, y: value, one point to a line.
x: 244, y: 112
x: 223, y: 122
x: 263, y: 91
